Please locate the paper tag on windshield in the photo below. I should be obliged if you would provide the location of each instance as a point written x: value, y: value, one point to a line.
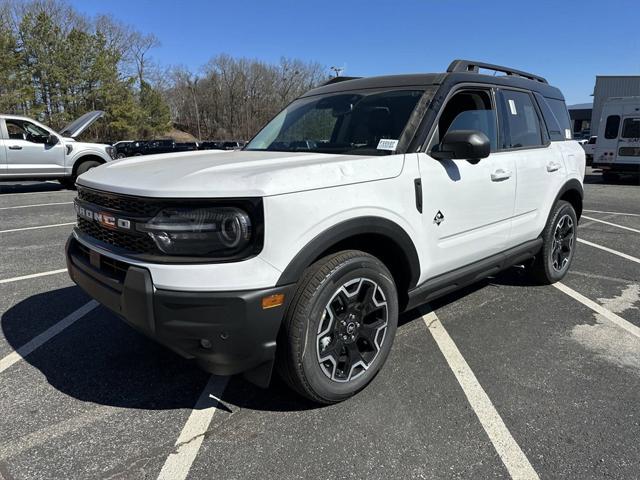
x: 567, y: 133
x: 512, y: 107
x: 387, y: 144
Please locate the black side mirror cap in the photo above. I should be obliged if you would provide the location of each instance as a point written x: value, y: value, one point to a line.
x: 462, y: 144
x: 52, y: 139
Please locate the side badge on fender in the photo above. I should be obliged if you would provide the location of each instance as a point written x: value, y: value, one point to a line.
x: 439, y: 218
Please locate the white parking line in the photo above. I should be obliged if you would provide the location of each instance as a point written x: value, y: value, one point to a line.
x: 613, y: 213
x: 610, y: 250
x: 608, y: 314
x: 35, y: 228
x: 612, y: 224
x: 178, y: 464
x: 32, y: 275
x: 509, y: 451
x: 36, y: 205
x: 45, y: 336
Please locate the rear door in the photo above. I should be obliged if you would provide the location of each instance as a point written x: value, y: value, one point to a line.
x: 540, y: 167
x: 27, y: 150
x: 468, y: 204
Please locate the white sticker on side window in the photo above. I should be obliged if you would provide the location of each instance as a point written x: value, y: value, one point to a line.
x: 387, y: 144
x: 512, y: 107
x: 567, y: 133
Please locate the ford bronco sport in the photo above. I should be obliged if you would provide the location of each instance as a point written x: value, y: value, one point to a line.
x: 363, y: 198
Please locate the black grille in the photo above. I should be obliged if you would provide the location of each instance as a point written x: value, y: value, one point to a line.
x: 128, y: 241
x: 133, y: 206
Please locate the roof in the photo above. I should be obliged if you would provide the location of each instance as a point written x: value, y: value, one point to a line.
x: 429, y: 79
x: 580, y: 106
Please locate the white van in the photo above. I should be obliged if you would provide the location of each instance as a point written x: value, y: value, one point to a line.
x: 618, y: 147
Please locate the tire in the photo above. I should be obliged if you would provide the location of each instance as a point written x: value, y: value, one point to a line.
x: 343, y: 316
x: 86, y: 166
x: 559, y: 245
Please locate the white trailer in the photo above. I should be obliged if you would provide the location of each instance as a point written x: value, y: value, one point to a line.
x: 618, y: 146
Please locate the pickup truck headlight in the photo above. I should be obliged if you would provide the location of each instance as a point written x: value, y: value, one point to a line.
x: 206, y: 231
x: 111, y: 152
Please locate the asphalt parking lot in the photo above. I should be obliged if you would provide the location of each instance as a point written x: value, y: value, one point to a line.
x: 504, y: 379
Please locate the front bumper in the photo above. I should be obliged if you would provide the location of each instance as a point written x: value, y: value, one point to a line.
x: 225, y: 332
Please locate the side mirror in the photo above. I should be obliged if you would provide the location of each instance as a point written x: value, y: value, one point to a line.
x: 462, y: 144
x: 52, y: 139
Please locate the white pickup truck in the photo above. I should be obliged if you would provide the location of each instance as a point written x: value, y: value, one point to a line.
x: 30, y: 150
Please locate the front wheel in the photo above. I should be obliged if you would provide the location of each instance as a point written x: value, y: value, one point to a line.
x: 339, y: 327
x: 559, y: 244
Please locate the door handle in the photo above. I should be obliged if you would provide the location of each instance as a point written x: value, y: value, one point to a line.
x: 553, y: 167
x: 500, y: 174
x: 15, y: 147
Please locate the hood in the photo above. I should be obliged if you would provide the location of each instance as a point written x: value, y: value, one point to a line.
x: 237, y: 173
x: 79, y: 125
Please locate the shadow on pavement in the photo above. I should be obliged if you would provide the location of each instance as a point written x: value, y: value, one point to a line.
x: 30, y: 187
x: 100, y: 359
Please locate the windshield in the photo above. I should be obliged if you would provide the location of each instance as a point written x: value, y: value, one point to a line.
x: 353, y: 123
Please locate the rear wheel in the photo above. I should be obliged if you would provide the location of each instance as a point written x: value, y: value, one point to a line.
x: 339, y: 328
x: 559, y: 244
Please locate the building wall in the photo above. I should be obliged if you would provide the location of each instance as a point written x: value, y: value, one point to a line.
x: 611, y: 86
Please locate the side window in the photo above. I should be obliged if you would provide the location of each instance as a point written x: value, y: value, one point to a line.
x: 561, y: 113
x: 612, y: 127
x: 631, y: 128
x: 470, y: 110
x: 522, y: 122
x: 23, y: 130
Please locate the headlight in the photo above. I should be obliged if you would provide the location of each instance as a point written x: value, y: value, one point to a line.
x: 214, y: 231
x: 111, y: 152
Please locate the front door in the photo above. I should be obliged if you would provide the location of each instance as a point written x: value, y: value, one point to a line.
x: 468, y: 205
x: 27, y: 150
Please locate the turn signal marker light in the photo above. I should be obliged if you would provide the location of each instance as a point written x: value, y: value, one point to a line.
x: 272, y: 301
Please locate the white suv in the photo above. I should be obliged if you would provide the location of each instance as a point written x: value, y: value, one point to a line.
x: 361, y: 199
x: 30, y: 150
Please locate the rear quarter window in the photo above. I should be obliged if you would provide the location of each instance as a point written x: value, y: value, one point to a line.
x: 555, y: 130
x: 559, y: 109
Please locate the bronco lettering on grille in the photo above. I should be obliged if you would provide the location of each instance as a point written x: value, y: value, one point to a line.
x: 105, y: 219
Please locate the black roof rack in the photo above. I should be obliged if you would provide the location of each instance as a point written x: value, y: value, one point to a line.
x: 339, y: 79
x: 470, y: 66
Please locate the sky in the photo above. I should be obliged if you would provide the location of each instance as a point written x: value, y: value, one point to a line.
x: 568, y: 42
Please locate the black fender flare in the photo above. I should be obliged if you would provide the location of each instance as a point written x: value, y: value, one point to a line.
x: 572, y: 184
x: 351, y: 228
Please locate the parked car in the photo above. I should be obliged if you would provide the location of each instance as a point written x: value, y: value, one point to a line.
x: 30, y: 150
x: 221, y: 145
x: 361, y: 199
x: 617, y: 150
